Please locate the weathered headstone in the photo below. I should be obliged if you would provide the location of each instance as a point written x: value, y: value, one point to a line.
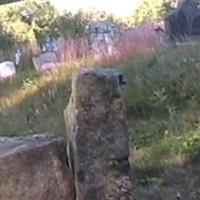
x: 184, y: 20
x: 98, y: 141
x: 34, y: 168
x: 50, y: 44
x: 45, y: 61
x: 103, y: 36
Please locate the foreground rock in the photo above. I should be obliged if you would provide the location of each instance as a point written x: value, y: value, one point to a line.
x: 34, y: 168
x: 98, y: 137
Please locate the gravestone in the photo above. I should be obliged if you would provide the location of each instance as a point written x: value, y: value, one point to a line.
x: 50, y: 44
x: 45, y: 61
x: 102, y: 37
x: 34, y: 168
x: 97, y: 136
x: 184, y: 20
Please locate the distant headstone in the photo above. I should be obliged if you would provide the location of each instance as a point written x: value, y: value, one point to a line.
x: 50, y: 44
x: 103, y: 36
x: 45, y: 61
x: 98, y: 140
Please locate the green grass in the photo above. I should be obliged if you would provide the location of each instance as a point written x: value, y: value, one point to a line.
x: 34, y: 103
x: 162, y: 97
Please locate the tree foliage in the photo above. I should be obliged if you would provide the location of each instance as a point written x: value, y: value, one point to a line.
x: 40, y: 17
x: 33, y: 21
x: 150, y: 10
x: 68, y: 25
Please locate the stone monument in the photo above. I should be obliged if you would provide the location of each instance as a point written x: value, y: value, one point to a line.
x: 103, y: 36
x: 183, y: 21
x: 97, y: 136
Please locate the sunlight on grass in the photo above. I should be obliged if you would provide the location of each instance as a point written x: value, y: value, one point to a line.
x: 32, y: 86
x: 29, y: 88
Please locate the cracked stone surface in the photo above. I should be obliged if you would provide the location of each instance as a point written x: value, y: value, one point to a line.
x: 97, y: 135
x: 34, y: 168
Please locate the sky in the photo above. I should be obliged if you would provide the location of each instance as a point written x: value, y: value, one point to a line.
x: 120, y: 8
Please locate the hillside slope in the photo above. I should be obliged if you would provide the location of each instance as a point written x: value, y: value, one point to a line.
x: 162, y: 98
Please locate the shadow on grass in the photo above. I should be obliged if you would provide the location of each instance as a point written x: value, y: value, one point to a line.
x: 168, y: 182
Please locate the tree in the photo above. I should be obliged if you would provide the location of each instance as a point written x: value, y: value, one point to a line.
x: 41, y: 16
x: 13, y: 25
x: 8, y: 1
x: 150, y: 10
x: 5, y: 41
x: 69, y: 25
x: 35, y: 20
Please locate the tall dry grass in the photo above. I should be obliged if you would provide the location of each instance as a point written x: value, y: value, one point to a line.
x: 73, y: 50
x: 141, y: 39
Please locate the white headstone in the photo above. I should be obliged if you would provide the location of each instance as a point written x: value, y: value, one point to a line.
x: 7, y: 70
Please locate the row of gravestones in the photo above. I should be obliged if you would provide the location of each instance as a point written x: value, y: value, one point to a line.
x: 102, y: 38
x: 94, y: 162
x: 44, y: 61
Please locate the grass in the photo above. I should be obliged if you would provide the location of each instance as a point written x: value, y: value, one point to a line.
x: 34, y: 103
x: 162, y: 99
x: 25, y: 110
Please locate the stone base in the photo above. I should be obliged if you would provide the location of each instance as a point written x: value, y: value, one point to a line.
x: 34, y: 168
